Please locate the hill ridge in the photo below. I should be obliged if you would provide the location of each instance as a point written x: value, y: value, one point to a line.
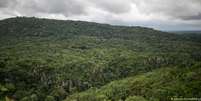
x: 50, y: 60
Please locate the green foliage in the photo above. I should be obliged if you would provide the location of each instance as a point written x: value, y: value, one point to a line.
x: 50, y: 60
x: 159, y: 85
x: 50, y: 98
x: 135, y: 98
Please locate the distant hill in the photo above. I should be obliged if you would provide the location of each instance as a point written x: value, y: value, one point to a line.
x: 186, y: 32
x: 55, y: 60
x: 22, y: 26
x: 189, y: 35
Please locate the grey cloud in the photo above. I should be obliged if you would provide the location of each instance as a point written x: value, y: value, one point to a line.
x: 7, y: 3
x: 65, y: 7
x: 195, y: 17
x: 3, y: 3
x: 113, y: 6
x: 177, y: 9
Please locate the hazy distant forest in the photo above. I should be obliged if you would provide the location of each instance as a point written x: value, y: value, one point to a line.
x: 56, y: 60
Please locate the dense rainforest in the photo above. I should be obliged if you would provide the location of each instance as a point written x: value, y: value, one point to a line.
x: 56, y: 60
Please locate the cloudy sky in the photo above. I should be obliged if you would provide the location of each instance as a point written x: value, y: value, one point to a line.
x: 158, y: 14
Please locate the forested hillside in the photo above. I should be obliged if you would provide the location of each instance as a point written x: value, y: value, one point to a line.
x: 56, y: 60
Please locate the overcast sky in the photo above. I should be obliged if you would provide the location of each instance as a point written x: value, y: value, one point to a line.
x: 158, y: 14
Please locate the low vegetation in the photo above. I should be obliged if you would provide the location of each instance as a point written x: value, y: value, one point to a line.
x: 53, y: 60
